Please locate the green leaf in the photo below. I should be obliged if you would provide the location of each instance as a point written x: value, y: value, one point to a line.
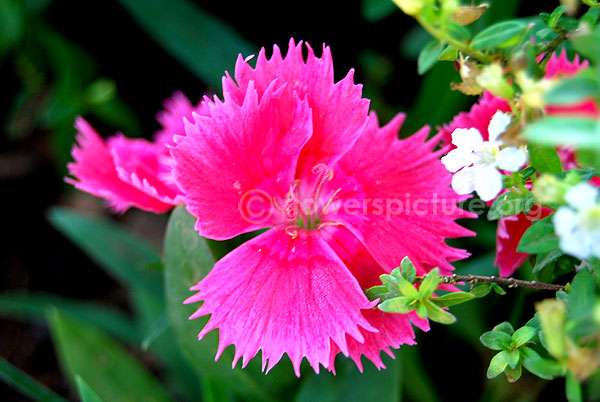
x: 377, y: 292
x: 421, y: 310
x: 505, y: 327
x: 573, y: 389
x: 502, y: 34
x: 588, y: 45
x: 513, y: 358
x: 451, y: 299
x: 543, y: 368
x: 123, y: 254
x: 85, y: 392
x: 398, y: 305
x: 481, y: 290
x: 187, y: 260
x: 375, y: 10
x: 25, y: 384
x: 544, y: 259
x: 555, y: 16
x: 572, y: 90
x: 576, y: 131
x: 496, y: 340
x: 200, y: 41
x: 158, y: 328
x: 588, y: 158
x: 509, y: 204
x: 523, y: 335
x: 406, y: 288
x: 497, y: 364
x: 498, y: 289
x: 408, y: 269
x: 539, y: 238
x: 101, y: 362
x: 544, y: 158
x: 449, y: 54
x: 513, y: 375
x: 437, y: 314
x: 429, y: 56
x: 34, y: 306
x: 581, y: 295
x: 430, y: 283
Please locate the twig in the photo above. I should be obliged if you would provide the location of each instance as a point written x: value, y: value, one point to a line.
x: 510, y: 282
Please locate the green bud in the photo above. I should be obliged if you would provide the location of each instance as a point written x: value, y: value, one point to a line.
x: 549, y: 190
x: 492, y: 78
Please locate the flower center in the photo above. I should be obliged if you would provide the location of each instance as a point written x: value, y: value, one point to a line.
x: 304, y: 207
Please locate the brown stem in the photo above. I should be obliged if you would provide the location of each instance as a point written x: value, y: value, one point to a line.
x: 510, y: 282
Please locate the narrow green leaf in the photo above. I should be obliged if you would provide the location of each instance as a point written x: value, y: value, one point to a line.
x: 34, y: 306
x: 398, y: 305
x: 102, y: 363
x: 572, y: 90
x: 513, y: 358
x: 502, y: 34
x: 187, y: 260
x: 200, y: 41
x: 577, y: 131
x: 498, y: 289
x: 543, y: 368
x: 582, y: 295
x: 407, y: 288
x: 543, y: 259
x: 377, y: 292
x: 509, y: 204
x: 496, y: 340
x: 25, y: 384
x: 408, y: 269
x: 497, y: 364
x: 451, y: 299
x: 123, y: 254
x: 429, y: 56
x: 544, y: 158
x: 588, y: 45
x: 449, y: 54
x: 421, y: 310
x: 481, y: 290
x: 523, y: 335
x: 85, y: 392
x: 430, y: 283
x: 437, y: 314
x: 158, y: 328
x: 539, y: 238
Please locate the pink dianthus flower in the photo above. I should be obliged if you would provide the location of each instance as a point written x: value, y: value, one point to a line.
x: 131, y: 172
x: 291, y: 150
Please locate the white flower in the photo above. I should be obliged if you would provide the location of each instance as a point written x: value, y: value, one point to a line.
x: 578, y: 224
x: 475, y: 162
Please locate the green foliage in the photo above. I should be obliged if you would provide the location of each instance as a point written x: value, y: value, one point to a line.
x: 539, y: 238
x: 85, y: 392
x: 200, y: 41
x: 511, y: 203
x: 101, y: 362
x: 544, y: 158
x: 500, y: 35
x: 429, y: 56
x: 25, y: 384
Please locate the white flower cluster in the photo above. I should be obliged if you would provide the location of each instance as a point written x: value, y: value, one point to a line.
x: 577, y: 224
x: 475, y: 162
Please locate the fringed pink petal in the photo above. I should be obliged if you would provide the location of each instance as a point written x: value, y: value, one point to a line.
x: 283, y: 295
x: 395, y: 330
x: 140, y: 163
x: 236, y: 165
x: 509, y: 234
x: 478, y: 117
x: 411, y: 208
x: 95, y: 171
x: 176, y: 108
x: 560, y: 65
x: 339, y: 113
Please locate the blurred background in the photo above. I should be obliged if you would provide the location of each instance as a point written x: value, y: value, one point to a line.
x: 114, y: 62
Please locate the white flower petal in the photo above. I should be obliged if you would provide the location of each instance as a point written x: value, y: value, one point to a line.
x: 575, y: 244
x: 488, y: 182
x: 565, y: 220
x: 458, y: 158
x: 467, y: 139
x: 498, y: 125
x: 511, y: 159
x: 582, y: 196
x: 463, y: 181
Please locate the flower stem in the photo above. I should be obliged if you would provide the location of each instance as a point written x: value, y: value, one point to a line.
x: 510, y: 282
x: 443, y: 36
